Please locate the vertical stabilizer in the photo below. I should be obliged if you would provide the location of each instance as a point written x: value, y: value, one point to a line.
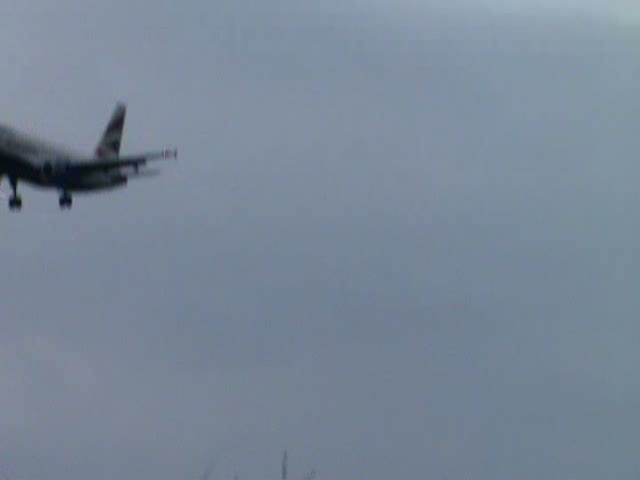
x: 111, y: 140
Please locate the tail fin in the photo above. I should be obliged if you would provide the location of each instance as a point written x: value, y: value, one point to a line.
x: 111, y: 140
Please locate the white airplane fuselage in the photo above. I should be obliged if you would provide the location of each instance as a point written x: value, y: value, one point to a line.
x: 43, y: 164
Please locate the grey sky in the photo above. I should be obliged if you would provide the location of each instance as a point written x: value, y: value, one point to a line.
x: 399, y: 242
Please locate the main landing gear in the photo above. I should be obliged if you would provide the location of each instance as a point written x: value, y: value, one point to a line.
x: 65, y: 200
x: 15, y: 200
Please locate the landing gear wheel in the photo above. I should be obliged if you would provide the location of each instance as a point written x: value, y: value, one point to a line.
x: 65, y: 201
x: 15, y: 202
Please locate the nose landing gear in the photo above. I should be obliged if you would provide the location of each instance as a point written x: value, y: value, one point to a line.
x: 15, y: 203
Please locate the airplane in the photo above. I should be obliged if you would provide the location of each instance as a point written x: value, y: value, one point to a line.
x: 40, y: 163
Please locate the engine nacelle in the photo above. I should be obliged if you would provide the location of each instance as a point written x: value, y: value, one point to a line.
x: 47, y: 170
x: 51, y: 170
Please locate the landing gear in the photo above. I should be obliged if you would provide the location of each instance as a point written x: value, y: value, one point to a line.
x: 15, y: 200
x: 65, y: 200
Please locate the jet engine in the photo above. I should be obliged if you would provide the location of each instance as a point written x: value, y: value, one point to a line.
x: 51, y: 170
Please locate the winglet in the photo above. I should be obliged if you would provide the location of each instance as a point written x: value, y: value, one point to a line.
x: 170, y: 153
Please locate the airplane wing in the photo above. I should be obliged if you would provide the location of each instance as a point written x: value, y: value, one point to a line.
x: 109, y: 164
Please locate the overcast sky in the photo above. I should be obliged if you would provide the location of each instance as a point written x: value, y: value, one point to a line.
x: 400, y: 241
